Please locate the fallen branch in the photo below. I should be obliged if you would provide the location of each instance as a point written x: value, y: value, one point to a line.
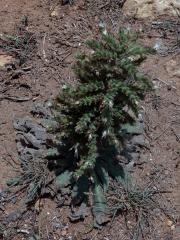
x: 177, y: 136
x: 162, y: 133
x: 105, y: 5
x: 15, y: 99
x: 167, y: 84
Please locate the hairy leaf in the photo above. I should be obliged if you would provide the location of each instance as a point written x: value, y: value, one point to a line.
x: 100, y: 209
x: 13, y: 181
x: 64, y: 179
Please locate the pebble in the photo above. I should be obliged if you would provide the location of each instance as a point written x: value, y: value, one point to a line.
x: 63, y: 233
x: 169, y: 223
x: 54, y: 13
x: 177, y: 73
x: 173, y: 227
x: 160, y: 47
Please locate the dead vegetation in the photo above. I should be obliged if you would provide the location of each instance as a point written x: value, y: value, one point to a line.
x: 20, y: 44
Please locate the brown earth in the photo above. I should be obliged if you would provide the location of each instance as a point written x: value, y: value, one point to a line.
x: 60, y: 31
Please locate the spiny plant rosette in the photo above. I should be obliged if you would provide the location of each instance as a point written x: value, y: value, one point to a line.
x: 90, y: 114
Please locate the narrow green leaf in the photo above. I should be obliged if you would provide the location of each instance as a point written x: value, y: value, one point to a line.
x: 13, y: 181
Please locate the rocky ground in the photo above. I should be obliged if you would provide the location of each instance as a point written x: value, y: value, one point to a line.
x: 38, y: 40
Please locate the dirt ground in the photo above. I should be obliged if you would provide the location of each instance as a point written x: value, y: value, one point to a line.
x: 60, y: 32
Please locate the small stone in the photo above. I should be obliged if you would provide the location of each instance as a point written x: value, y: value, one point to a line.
x: 64, y: 233
x: 150, y: 9
x: 4, y: 60
x: 169, y: 223
x: 160, y: 47
x: 177, y: 74
x: 173, y: 227
x: 54, y: 13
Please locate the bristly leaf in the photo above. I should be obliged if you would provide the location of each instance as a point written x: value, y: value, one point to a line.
x: 13, y: 181
x: 100, y: 209
x: 64, y: 179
